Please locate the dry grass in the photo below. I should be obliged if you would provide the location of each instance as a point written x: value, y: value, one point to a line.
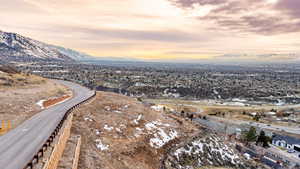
x: 204, y: 105
x: 8, y: 80
x: 18, y: 100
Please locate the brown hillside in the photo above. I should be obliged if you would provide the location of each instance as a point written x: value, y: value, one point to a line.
x: 119, y: 132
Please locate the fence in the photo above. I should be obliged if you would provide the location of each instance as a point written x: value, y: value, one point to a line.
x: 60, y: 146
x: 77, y: 152
x: 40, y: 153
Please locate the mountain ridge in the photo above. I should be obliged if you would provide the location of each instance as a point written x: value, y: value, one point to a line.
x: 18, y: 48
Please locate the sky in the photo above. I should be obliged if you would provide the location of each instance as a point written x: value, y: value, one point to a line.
x: 168, y: 30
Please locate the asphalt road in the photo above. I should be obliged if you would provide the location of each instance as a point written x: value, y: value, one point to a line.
x: 18, y: 146
x: 292, y: 130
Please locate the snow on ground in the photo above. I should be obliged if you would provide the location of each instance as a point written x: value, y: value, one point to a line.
x: 40, y: 103
x: 88, y: 119
x: 100, y: 145
x: 233, y: 104
x: 157, y: 107
x: 117, y: 111
x: 239, y: 100
x: 107, y: 108
x: 207, y: 150
x: 161, y: 138
x: 138, y: 132
x: 161, y: 135
x: 98, y: 132
x: 126, y: 106
x: 136, y: 121
x: 108, y: 128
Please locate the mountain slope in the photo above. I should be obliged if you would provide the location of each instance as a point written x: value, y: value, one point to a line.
x: 14, y: 47
x: 72, y: 53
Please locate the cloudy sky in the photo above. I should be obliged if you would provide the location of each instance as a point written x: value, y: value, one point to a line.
x: 174, y: 30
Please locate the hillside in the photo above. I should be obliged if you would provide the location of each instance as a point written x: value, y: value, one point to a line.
x: 118, y: 132
x: 20, y: 94
x: 17, y: 48
x: 12, y: 78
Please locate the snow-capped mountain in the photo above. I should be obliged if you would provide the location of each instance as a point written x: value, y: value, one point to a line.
x: 14, y: 47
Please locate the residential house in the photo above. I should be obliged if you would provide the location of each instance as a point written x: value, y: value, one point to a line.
x: 287, y: 142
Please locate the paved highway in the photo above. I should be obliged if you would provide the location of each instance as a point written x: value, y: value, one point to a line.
x: 18, y: 146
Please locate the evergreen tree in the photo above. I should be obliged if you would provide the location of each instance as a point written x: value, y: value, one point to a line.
x: 256, y: 117
x: 182, y: 113
x: 263, y: 139
x: 250, y: 136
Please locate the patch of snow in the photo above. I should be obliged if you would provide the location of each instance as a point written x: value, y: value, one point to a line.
x: 118, y: 130
x: 107, y: 108
x: 211, y: 147
x: 150, y: 126
x: 108, y: 128
x: 215, y: 92
x: 233, y: 104
x: 40, y: 103
x: 247, y: 156
x: 161, y: 138
x: 239, y: 100
x: 160, y: 124
x: 98, y: 132
x: 153, y: 125
x: 139, y: 84
x: 271, y: 113
x: 138, y: 132
x: 280, y: 103
x: 117, y: 111
x: 157, y: 107
x: 136, y: 121
x: 100, y: 145
x: 87, y: 119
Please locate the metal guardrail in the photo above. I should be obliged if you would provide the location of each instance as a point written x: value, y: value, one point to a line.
x: 40, y: 153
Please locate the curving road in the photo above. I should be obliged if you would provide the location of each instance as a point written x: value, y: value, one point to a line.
x: 18, y: 146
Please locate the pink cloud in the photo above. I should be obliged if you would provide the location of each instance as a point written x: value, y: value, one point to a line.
x: 258, y: 16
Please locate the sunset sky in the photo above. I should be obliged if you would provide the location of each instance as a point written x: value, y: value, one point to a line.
x: 172, y: 30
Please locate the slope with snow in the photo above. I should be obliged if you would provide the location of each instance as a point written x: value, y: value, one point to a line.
x: 204, y: 151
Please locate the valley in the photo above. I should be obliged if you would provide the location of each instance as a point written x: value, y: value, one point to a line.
x: 145, y: 115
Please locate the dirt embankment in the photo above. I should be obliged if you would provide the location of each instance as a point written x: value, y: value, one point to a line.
x: 119, y: 132
x: 19, y: 94
x: 53, y: 101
